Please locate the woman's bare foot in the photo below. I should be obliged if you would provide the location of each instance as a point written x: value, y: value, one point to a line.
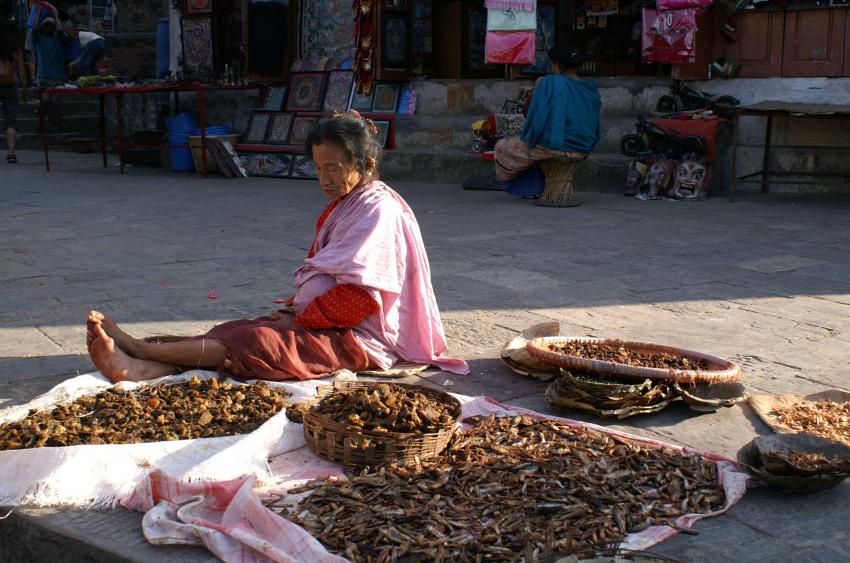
x: 124, y: 341
x: 114, y: 363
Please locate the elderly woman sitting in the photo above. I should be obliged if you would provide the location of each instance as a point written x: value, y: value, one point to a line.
x: 364, y: 297
x: 562, y: 120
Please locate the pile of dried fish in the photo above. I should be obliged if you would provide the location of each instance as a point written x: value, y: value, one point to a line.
x: 387, y: 408
x: 609, y: 396
x: 180, y: 411
x: 811, y: 462
x: 296, y: 412
x: 823, y: 418
x: 623, y: 355
x: 510, y: 488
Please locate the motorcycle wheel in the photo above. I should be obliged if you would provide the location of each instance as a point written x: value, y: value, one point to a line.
x: 631, y: 144
x: 666, y: 104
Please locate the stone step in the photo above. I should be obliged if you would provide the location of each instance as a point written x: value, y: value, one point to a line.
x: 602, y: 172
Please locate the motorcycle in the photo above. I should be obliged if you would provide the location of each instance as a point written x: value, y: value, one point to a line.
x: 658, y: 139
x: 684, y: 98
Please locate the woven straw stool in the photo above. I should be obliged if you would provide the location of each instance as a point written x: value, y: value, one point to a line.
x: 558, y: 190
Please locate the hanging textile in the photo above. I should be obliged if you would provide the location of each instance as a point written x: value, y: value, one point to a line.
x: 516, y: 47
x: 511, y: 20
x: 517, y: 5
x: 364, y: 41
x: 668, y: 37
x: 327, y: 35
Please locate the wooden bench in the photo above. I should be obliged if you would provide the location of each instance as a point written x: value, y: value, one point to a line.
x: 558, y: 188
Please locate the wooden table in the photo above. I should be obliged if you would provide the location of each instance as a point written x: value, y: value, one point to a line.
x: 770, y: 110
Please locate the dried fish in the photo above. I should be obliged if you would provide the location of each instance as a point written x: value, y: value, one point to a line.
x: 824, y: 418
x: 387, y: 408
x: 623, y: 355
x: 179, y: 411
x: 555, y: 488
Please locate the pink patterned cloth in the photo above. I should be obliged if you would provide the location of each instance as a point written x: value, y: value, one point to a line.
x: 227, y: 517
x: 509, y: 47
x: 524, y: 5
x: 372, y: 240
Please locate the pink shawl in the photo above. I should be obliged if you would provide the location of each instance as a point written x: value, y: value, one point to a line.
x: 372, y: 239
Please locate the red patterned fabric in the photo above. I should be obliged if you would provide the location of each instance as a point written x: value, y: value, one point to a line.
x: 343, y: 306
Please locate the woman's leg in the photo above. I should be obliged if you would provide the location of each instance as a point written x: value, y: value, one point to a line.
x: 511, y: 158
x: 11, y: 138
x: 121, y: 357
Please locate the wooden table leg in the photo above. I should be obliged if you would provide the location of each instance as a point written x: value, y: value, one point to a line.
x: 42, y: 123
x: 103, y: 129
x: 735, y: 122
x: 119, y: 143
x: 765, y: 169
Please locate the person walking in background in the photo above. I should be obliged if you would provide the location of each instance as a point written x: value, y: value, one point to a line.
x: 11, y: 76
x: 49, y: 54
x: 93, y: 48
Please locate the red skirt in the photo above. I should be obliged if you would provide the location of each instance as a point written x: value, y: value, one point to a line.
x: 263, y: 348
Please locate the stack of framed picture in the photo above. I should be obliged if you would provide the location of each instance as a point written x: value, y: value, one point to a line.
x: 277, y: 131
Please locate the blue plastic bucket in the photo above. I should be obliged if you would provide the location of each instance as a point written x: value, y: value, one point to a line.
x: 181, y: 155
x: 213, y: 130
x: 163, y: 55
x: 181, y: 123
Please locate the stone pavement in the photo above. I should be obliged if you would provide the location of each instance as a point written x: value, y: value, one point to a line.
x: 764, y: 282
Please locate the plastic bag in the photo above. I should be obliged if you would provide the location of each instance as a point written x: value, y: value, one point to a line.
x: 668, y: 37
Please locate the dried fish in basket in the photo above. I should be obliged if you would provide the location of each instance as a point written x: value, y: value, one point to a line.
x: 632, y: 359
x: 708, y: 397
x: 149, y: 413
x: 608, y: 397
x: 370, y: 424
x: 800, y: 463
x: 510, y: 488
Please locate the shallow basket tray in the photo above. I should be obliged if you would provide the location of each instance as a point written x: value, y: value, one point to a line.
x: 352, y: 446
x: 719, y: 370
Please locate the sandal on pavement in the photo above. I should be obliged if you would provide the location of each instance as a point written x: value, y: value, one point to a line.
x: 12, y: 159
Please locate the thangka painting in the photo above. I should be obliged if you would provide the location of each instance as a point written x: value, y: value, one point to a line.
x: 301, y: 127
x: 257, y: 127
x: 197, y: 45
x: 275, y: 96
x: 361, y: 102
x: 195, y: 7
x: 327, y: 34
x: 383, y: 134
x: 544, y: 40
x: 340, y: 84
x: 386, y: 98
x: 278, y: 133
x: 268, y: 165
x: 303, y: 167
x: 305, y: 91
x: 395, y: 42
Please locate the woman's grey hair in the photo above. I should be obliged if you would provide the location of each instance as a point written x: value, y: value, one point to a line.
x: 354, y: 134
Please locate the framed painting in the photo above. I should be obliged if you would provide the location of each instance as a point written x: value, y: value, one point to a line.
x: 383, y: 134
x: 198, y: 7
x: 197, y: 45
x: 396, y: 41
x: 360, y: 102
x: 340, y: 86
x: 301, y: 127
x: 303, y: 167
x: 279, y: 126
x: 275, y: 98
x: 386, y: 98
x: 305, y: 91
x: 547, y: 17
x: 268, y: 165
x: 257, y: 126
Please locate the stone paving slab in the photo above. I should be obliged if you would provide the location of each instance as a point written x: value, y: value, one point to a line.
x: 764, y: 282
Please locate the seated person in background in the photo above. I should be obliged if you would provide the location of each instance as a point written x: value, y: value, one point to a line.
x: 562, y: 119
x: 364, y: 297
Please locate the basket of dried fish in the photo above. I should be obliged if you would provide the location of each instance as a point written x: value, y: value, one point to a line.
x: 609, y: 396
x: 800, y: 463
x: 642, y: 360
x: 368, y: 424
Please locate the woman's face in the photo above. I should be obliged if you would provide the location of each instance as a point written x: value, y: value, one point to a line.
x: 337, y: 174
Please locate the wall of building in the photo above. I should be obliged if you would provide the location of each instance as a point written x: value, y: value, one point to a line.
x: 131, y: 49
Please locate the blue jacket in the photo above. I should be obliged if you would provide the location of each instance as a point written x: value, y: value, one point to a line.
x: 564, y: 115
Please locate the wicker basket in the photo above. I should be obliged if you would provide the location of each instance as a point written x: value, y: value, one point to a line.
x: 719, y: 370
x: 352, y: 446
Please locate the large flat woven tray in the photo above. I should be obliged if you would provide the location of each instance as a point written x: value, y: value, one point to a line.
x: 719, y: 370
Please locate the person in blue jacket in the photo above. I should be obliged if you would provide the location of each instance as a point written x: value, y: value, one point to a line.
x: 562, y: 119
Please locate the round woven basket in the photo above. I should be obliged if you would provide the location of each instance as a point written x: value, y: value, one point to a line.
x: 719, y: 370
x: 353, y: 446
